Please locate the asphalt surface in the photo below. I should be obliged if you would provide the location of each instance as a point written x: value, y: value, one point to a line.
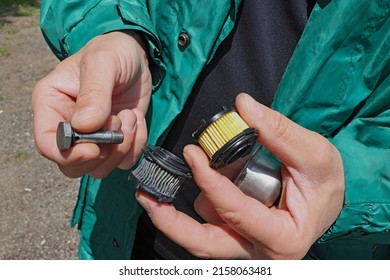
x: 36, y: 200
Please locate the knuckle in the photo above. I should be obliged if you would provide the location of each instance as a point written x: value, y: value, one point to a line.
x: 281, y: 127
x: 38, y: 145
x: 39, y: 85
x: 91, y: 57
x: 39, y: 89
x: 204, y: 250
x: 140, y: 139
x: 233, y: 219
x: 99, y: 174
x: 326, y: 163
x: 39, y: 151
x: 234, y: 216
x: 70, y: 172
x: 324, y: 152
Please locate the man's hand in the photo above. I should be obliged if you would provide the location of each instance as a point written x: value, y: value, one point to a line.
x: 106, y: 85
x: 242, y: 227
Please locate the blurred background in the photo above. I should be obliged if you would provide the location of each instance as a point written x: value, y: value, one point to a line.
x: 36, y: 200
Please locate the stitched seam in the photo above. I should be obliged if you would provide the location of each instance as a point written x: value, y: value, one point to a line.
x: 367, y: 32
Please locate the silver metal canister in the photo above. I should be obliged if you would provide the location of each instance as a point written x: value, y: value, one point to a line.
x: 260, y: 178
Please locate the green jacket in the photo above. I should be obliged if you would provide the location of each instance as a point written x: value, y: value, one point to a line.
x: 337, y: 83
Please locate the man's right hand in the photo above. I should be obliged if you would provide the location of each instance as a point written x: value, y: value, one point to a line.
x: 106, y: 85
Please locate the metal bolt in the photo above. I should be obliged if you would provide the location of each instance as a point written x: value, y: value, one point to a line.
x: 67, y: 137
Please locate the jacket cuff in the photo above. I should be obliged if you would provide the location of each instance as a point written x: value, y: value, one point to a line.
x: 106, y: 17
x: 366, y: 212
x: 101, y: 19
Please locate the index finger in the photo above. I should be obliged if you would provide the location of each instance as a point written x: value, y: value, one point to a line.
x: 202, y: 240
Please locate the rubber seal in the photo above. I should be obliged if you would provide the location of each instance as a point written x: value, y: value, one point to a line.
x: 204, y: 124
x: 167, y: 161
x: 236, y: 148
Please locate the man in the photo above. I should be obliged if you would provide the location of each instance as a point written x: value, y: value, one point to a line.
x: 107, y: 83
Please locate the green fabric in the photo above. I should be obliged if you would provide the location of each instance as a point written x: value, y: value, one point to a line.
x: 337, y: 84
x: 106, y: 213
x: 69, y: 25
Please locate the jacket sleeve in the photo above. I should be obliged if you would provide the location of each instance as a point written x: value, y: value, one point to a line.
x: 363, y: 138
x: 338, y: 84
x: 365, y: 148
x: 68, y: 25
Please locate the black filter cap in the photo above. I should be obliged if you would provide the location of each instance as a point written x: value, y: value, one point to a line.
x: 238, y: 147
x: 167, y: 160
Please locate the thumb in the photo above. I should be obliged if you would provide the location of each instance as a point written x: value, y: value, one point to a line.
x: 93, y: 104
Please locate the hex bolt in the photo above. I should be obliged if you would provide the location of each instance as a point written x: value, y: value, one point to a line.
x: 67, y: 137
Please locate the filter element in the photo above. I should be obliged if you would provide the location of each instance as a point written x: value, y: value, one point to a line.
x: 160, y: 174
x: 225, y: 137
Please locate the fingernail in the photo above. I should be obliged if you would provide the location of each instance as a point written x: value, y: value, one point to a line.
x: 250, y: 106
x: 247, y: 105
x: 140, y: 120
x: 143, y: 201
x: 132, y: 124
x: 187, y: 157
x: 82, y: 115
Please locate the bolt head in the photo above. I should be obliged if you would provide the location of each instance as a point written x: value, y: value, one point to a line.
x: 64, y: 136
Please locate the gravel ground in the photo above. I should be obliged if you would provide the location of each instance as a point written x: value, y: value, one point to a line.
x: 36, y: 200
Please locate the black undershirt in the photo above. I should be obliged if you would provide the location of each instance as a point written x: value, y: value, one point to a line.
x: 252, y: 59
